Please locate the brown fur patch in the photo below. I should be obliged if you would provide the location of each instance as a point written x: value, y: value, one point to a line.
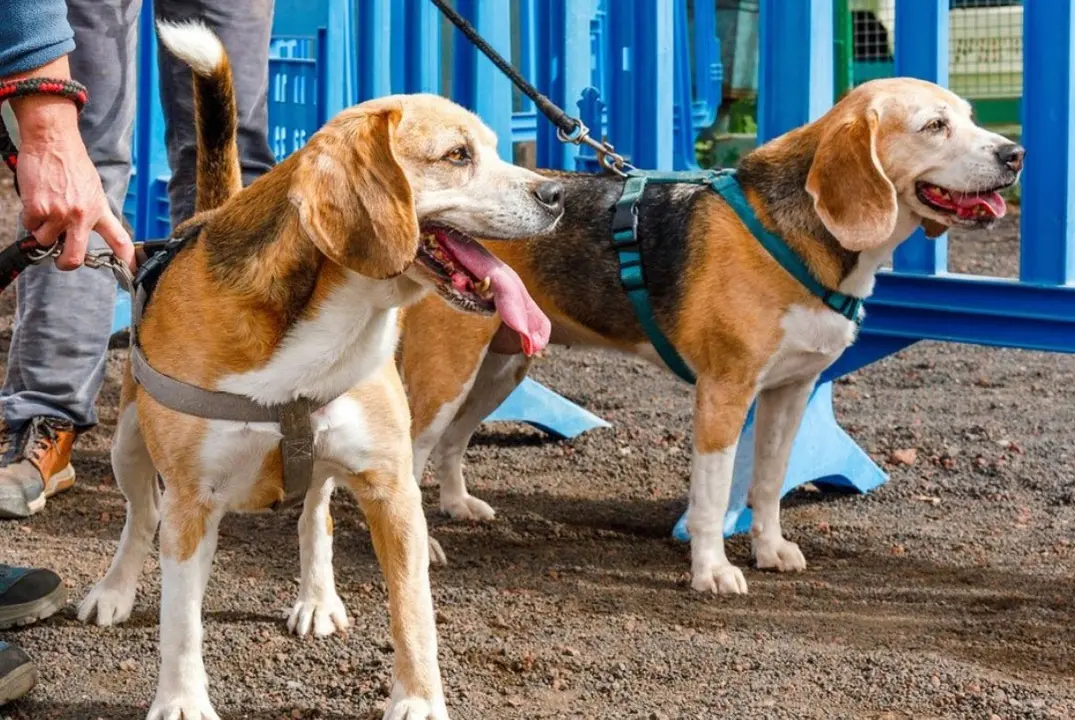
x: 460, y: 341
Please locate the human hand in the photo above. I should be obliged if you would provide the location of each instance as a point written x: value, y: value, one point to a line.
x: 60, y: 189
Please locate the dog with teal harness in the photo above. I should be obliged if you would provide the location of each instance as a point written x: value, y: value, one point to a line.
x: 747, y: 283
x: 722, y: 182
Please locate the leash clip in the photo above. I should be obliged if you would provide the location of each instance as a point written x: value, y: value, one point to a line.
x: 607, y: 156
x: 108, y: 260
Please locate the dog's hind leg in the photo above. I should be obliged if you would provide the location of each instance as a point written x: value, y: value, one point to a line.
x: 112, y: 599
x: 440, y: 355
x: 779, y: 412
x: 318, y: 607
x: 498, y: 376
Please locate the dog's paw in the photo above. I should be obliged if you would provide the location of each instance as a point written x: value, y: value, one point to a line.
x: 107, y: 605
x: 724, y: 579
x: 467, y: 507
x: 323, y: 616
x: 401, y: 707
x: 778, y: 554
x: 182, y: 706
x: 436, y: 553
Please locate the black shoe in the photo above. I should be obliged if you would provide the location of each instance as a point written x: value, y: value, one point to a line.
x: 18, y: 674
x: 28, y: 595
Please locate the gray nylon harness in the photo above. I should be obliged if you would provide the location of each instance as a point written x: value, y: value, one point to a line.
x: 296, y: 427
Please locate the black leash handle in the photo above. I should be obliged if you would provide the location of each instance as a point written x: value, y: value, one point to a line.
x: 568, y: 129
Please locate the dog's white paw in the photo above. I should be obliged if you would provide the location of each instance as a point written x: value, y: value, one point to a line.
x: 778, y: 554
x: 107, y: 605
x: 722, y: 579
x: 401, y: 707
x: 182, y: 706
x: 436, y: 553
x: 467, y: 507
x: 323, y: 616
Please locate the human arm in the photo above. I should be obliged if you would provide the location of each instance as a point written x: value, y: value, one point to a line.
x: 61, y: 190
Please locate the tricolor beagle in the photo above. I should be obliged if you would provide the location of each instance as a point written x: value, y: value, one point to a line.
x: 292, y: 288
x: 842, y: 192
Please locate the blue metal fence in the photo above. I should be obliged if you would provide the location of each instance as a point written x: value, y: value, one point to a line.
x: 647, y: 73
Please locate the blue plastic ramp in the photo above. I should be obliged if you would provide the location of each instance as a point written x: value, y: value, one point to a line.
x: 534, y: 404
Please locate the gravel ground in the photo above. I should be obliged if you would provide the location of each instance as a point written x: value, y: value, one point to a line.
x: 947, y: 593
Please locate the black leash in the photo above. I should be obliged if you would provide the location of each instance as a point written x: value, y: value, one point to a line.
x: 568, y: 129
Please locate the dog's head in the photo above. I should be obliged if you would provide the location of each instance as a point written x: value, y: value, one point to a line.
x: 398, y: 186
x: 902, y: 145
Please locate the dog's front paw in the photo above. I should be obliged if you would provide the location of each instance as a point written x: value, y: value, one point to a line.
x: 322, y: 615
x: 467, y: 507
x: 778, y: 554
x: 107, y: 605
x: 182, y: 706
x: 722, y: 579
x: 401, y: 707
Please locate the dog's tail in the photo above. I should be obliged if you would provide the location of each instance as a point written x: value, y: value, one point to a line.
x: 215, y: 115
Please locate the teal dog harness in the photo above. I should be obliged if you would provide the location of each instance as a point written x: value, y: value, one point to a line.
x: 629, y: 252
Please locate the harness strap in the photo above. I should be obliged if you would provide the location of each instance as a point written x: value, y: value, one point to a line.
x: 296, y: 427
x: 728, y: 188
x: 632, y: 274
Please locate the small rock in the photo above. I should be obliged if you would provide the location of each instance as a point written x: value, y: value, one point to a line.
x: 128, y: 665
x: 904, y: 456
x: 897, y: 550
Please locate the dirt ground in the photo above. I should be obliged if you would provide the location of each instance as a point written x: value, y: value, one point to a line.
x: 947, y: 593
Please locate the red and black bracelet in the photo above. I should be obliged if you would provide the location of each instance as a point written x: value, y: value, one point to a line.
x: 10, y: 89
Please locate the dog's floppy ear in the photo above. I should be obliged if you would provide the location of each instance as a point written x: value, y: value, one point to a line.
x: 851, y: 193
x: 353, y: 199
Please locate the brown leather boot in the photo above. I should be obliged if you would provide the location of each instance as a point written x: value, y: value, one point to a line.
x: 35, y: 465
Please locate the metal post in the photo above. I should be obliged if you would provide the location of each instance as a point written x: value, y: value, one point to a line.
x: 477, y: 83
x: 415, y: 47
x: 562, y: 69
x: 795, y: 64
x: 922, y: 52
x: 1047, y: 250
x: 373, y: 78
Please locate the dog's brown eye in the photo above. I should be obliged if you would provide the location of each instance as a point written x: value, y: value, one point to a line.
x: 934, y: 126
x: 458, y: 156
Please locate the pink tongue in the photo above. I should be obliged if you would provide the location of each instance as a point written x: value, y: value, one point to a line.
x: 967, y: 202
x: 517, y: 309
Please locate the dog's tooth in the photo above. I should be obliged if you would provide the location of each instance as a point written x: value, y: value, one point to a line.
x: 483, y: 287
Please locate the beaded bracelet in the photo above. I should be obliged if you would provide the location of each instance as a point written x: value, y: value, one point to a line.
x: 10, y: 89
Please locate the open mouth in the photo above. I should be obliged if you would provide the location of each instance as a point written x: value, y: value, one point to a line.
x: 979, y: 206
x: 472, y: 279
x: 457, y: 283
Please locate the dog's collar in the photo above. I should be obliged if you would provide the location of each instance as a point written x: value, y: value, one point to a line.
x: 724, y: 183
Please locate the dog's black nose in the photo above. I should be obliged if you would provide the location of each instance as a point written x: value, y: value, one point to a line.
x: 551, y: 195
x: 1011, y: 155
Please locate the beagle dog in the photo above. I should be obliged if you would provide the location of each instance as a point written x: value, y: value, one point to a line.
x: 293, y: 287
x: 842, y: 192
